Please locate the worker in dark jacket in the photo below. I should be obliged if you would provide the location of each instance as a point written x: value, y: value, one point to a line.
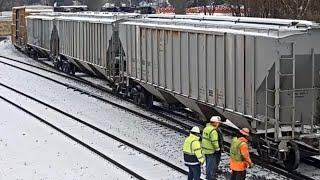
x: 192, y: 152
x: 221, y: 141
x: 239, y: 155
x: 211, y: 147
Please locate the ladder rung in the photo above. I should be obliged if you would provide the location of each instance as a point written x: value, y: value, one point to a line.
x: 287, y: 90
x: 286, y: 58
x: 271, y: 90
x: 286, y: 74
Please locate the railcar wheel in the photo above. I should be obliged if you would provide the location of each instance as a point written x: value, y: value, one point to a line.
x: 293, y: 159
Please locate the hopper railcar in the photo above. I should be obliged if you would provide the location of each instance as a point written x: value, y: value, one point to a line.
x: 259, y: 73
x: 87, y: 41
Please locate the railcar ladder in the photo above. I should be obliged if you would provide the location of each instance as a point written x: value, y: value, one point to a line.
x: 277, y: 94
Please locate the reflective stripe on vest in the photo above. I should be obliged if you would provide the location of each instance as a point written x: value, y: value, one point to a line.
x: 190, y: 157
x: 235, y: 153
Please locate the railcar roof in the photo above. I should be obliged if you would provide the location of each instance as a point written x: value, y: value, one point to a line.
x: 275, y: 28
x: 265, y: 21
x: 95, y: 17
x: 35, y: 8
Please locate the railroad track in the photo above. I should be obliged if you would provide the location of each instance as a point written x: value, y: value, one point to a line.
x: 86, y: 145
x: 178, y: 126
x: 157, y: 110
x: 312, y: 161
x: 175, y: 125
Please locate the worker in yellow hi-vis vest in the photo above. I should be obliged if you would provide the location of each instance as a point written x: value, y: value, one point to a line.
x: 211, y: 147
x: 192, y: 152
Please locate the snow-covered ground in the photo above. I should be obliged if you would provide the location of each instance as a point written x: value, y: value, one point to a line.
x: 31, y: 150
x: 154, y: 138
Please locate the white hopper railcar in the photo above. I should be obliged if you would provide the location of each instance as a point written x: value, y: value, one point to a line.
x: 259, y: 73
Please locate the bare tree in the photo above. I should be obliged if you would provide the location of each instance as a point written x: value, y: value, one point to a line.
x: 1, y: 4
x: 95, y: 5
x: 181, y: 5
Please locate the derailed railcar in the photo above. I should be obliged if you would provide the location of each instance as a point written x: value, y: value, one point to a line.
x: 259, y: 73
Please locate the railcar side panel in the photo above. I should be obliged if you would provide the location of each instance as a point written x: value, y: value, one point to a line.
x: 143, y: 57
x: 220, y: 70
x: 149, y: 56
x: 202, y: 70
x: 168, y: 61
x: 176, y: 54
x: 155, y: 57
x: 162, y: 71
x: 193, y: 62
x: 230, y: 71
x: 239, y: 73
x: 249, y: 74
x: 133, y: 50
x: 185, y: 63
x: 211, y: 68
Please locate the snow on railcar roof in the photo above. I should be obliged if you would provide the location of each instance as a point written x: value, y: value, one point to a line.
x: 35, y: 8
x: 266, y: 21
x: 275, y: 28
x: 99, y: 17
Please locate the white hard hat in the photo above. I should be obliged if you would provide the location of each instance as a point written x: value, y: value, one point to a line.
x: 195, y: 129
x: 215, y: 119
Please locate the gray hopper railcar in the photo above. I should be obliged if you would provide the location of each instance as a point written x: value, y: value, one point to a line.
x: 259, y: 73
x: 87, y: 41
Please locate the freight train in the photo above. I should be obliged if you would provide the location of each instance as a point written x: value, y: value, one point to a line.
x: 258, y: 73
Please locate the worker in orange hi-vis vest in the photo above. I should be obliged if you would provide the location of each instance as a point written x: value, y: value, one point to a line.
x: 239, y: 155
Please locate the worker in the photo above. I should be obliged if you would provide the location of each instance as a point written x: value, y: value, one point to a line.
x: 210, y: 146
x: 221, y: 141
x: 239, y: 155
x: 192, y: 153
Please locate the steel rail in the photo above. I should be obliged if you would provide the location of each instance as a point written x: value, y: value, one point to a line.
x: 178, y: 129
x: 312, y: 161
x: 171, y: 165
x: 75, y: 139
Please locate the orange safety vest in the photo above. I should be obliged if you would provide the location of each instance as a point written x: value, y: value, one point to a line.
x: 236, y: 165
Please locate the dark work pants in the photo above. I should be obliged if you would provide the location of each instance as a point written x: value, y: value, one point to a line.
x: 194, y: 172
x: 218, y: 154
x: 212, y: 165
x: 238, y: 175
